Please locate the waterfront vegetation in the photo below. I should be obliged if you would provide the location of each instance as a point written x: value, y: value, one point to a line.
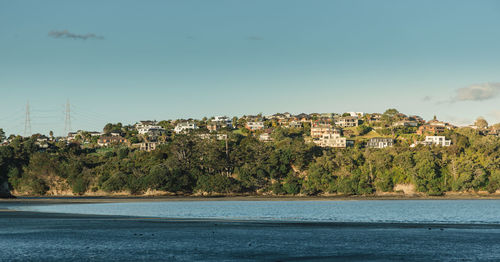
x: 241, y: 164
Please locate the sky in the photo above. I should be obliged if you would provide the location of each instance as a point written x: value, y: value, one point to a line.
x: 125, y: 61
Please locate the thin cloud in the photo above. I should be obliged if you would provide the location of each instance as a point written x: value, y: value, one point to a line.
x: 426, y: 98
x: 478, y: 92
x: 65, y: 34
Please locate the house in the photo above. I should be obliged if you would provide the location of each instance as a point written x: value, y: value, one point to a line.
x: 294, y: 124
x: 430, y: 129
x: 433, y: 140
x: 219, y: 122
x: 42, y: 142
x: 319, y: 129
x: 71, y: 136
x: 223, y: 121
x: 438, y: 140
x: 408, y: 123
x: 111, y: 140
x: 303, y: 118
x: 211, y: 136
x: 95, y: 133
x: 185, y: 127
x: 347, y: 121
x: 331, y: 140
x: 380, y: 142
x: 375, y: 117
x: 150, y: 128
x: 357, y: 114
x: 257, y: 125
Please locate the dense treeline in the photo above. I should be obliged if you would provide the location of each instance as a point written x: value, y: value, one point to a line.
x: 243, y: 164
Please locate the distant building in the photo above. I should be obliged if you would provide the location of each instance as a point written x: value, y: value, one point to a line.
x: 219, y: 122
x: 347, y: 121
x: 303, y: 118
x: 111, y: 140
x: 375, y: 117
x: 357, y: 114
x: 380, y: 142
x: 257, y: 125
x: 71, y: 136
x: 185, y: 127
x: 294, y: 124
x: 407, y: 123
x: 433, y: 140
x: 331, y: 140
x: 430, y: 129
x: 319, y: 129
x: 150, y: 128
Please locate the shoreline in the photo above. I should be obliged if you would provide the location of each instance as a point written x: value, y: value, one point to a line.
x: 131, y: 198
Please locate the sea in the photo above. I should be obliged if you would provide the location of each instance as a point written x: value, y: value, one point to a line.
x: 368, y: 211
x: 371, y: 230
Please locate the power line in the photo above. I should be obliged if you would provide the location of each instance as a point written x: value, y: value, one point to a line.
x: 27, y: 121
x: 67, y: 121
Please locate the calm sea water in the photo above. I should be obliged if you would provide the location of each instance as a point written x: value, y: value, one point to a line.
x: 394, y: 211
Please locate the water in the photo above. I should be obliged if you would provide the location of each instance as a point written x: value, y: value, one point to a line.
x: 394, y: 211
x: 432, y: 230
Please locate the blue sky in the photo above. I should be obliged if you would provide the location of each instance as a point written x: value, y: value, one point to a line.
x: 124, y: 61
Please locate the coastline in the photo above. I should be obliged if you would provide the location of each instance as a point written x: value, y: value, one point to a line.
x: 135, y: 198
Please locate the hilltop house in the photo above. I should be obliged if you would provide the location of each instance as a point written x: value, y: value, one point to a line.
x: 150, y: 128
x: 433, y: 127
x: 294, y: 124
x: 219, y: 122
x: 184, y: 127
x: 256, y: 125
x: 433, y: 140
x: 331, y: 140
x: 347, y: 121
x: 407, y: 123
x: 380, y: 142
x: 430, y: 129
x: 319, y: 129
x: 111, y: 140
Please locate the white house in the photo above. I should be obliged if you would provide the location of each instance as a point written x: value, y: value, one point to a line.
x: 258, y: 125
x: 223, y: 121
x: 438, y: 140
x: 148, y: 127
x: 331, y: 140
x: 433, y: 140
x: 184, y: 127
x: 347, y: 121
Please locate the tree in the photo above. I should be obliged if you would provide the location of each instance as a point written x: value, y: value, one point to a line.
x: 481, y: 123
x: 2, y: 135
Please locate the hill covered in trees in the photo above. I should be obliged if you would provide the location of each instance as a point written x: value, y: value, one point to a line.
x: 241, y: 164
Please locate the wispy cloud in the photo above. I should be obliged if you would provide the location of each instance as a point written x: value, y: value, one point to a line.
x: 65, y: 34
x: 426, y: 98
x: 478, y: 92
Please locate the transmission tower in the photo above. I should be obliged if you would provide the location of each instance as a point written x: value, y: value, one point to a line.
x: 27, y: 121
x: 67, y: 121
